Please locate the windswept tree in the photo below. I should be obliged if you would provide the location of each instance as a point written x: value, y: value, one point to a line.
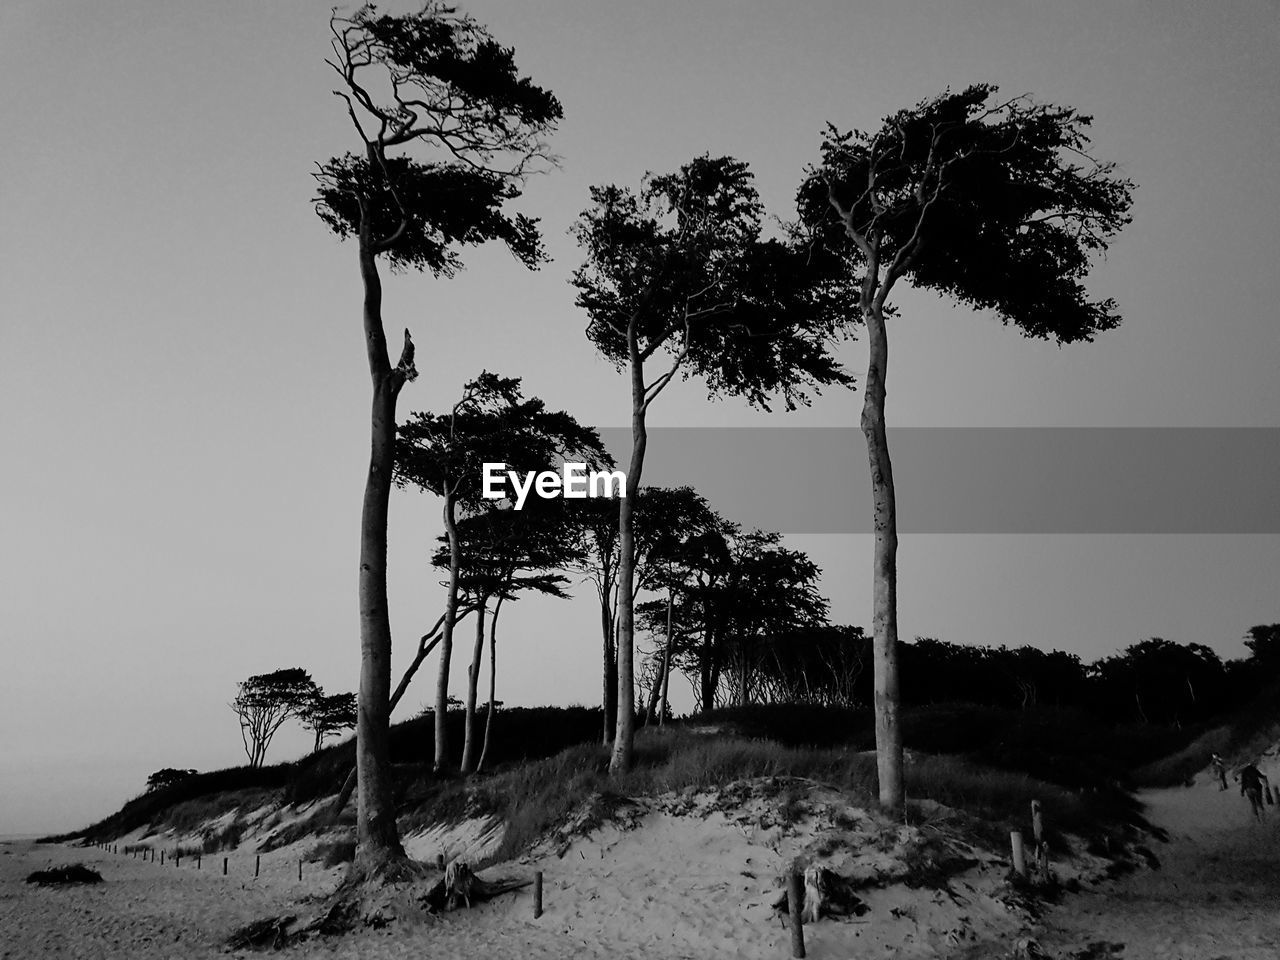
x: 505, y: 553
x: 167, y: 778
x: 994, y: 203
x: 678, y: 277
x: 264, y: 702
x: 327, y: 715
x: 434, y: 82
x: 664, y: 518
x: 444, y: 454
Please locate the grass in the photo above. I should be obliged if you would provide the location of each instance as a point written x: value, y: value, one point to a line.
x: 533, y: 799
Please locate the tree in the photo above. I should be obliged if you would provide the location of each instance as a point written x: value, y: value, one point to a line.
x: 680, y: 268
x: 265, y: 701
x: 994, y: 203
x: 506, y: 553
x: 443, y: 83
x: 445, y: 454
x: 328, y: 715
x: 167, y: 778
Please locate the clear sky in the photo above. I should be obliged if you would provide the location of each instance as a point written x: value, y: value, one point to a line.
x: 183, y: 396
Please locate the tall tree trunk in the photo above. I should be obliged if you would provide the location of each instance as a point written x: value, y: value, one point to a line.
x: 493, y: 672
x: 660, y: 674
x: 624, y: 734
x: 884, y: 576
x: 446, y: 640
x: 473, y: 686
x: 377, y: 840
x: 666, y: 668
x: 608, y: 664
x: 742, y: 673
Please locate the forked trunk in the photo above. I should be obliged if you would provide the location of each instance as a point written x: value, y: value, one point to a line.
x: 446, y: 638
x: 884, y: 575
x: 473, y: 683
x: 377, y: 840
x: 624, y: 734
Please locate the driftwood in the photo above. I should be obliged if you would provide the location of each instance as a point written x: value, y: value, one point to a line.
x: 60, y: 876
x: 824, y: 894
x: 459, y: 886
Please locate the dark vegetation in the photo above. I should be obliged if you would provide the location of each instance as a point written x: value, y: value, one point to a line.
x: 62, y: 876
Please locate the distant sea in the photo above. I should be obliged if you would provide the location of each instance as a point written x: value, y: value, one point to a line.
x: 14, y: 837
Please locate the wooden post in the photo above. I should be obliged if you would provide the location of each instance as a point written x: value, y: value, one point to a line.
x: 177, y: 859
x: 299, y: 869
x: 1037, y: 823
x: 224, y: 866
x: 115, y: 848
x: 162, y: 858
x: 537, y: 895
x: 198, y: 861
x: 257, y: 864
x: 1019, y: 857
x: 794, y: 893
x: 440, y: 862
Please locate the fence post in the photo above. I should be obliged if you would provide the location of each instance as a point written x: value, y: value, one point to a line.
x: 1019, y: 857
x: 794, y: 893
x: 177, y: 859
x: 224, y: 866
x: 537, y: 895
x: 162, y: 858
x: 299, y: 869
x: 1037, y: 822
x: 257, y: 864
x: 198, y: 861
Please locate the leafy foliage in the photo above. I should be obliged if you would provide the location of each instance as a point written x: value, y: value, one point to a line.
x: 680, y: 267
x: 167, y: 777
x: 448, y: 205
x: 265, y: 701
x: 996, y: 204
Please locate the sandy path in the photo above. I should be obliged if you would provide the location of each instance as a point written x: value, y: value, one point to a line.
x: 1216, y: 896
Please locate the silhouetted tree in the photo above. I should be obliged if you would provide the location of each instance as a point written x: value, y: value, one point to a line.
x: 994, y: 203
x: 439, y: 81
x: 265, y: 701
x: 328, y: 715
x: 444, y: 454
x: 680, y: 268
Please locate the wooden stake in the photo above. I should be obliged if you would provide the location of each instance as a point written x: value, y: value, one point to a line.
x: 794, y: 893
x: 224, y: 866
x: 1019, y: 857
x: 257, y: 864
x: 1037, y: 823
x: 177, y: 859
x: 299, y: 869
x: 162, y: 858
x: 537, y: 895
x: 198, y: 861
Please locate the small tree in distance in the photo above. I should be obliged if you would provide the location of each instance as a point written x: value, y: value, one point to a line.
x: 328, y: 715
x: 265, y: 701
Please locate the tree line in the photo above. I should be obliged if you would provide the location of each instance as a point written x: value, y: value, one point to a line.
x: 993, y: 202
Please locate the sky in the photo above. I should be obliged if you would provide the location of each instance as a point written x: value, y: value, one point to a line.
x: 183, y: 390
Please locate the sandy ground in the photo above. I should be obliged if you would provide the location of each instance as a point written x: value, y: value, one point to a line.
x: 1216, y: 896
x: 676, y: 884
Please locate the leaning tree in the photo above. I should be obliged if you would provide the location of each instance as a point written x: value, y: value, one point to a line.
x: 995, y: 203
x: 265, y: 701
x: 436, y: 81
x: 445, y: 454
x: 677, y: 276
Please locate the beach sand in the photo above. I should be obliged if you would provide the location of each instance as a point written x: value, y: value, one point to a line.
x: 672, y: 886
